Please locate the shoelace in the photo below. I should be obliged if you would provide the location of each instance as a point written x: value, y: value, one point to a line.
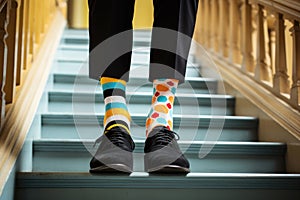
x: 165, y: 136
x: 115, y: 136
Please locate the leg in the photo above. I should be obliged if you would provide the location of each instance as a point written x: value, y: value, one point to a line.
x: 106, y: 19
x: 169, y: 55
x: 168, y: 59
x: 176, y: 15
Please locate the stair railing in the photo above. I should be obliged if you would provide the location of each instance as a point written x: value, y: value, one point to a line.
x: 23, y: 24
x: 29, y: 31
x: 260, y: 37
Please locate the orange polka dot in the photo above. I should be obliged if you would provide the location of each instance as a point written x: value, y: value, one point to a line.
x: 149, y: 121
x: 171, y: 99
x: 153, y: 100
x: 162, y: 88
x: 170, y: 123
x: 161, y: 108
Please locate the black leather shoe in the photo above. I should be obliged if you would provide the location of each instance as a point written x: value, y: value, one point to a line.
x: 162, y: 153
x: 114, y: 153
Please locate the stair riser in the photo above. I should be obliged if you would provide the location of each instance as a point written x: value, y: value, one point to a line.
x: 137, y: 56
x: 66, y: 67
x: 138, y: 108
x: 85, y: 41
x: 150, y: 194
x: 197, y: 86
x: 138, y: 132
x: 79, y: 162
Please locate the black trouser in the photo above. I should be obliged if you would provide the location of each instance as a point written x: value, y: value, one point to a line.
x: 169, y: 49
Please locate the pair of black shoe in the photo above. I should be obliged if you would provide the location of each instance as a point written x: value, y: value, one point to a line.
x: 162, y: 153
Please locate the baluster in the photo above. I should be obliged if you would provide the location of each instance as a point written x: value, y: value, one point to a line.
x: 3, y: 60
x: 32, y: 26
x: 272, y: 47
x: 26, y: 34
x: 37, y: 22
x: 43, y: 16
x: 20, y: 31
x: 11, y: 44
x: 254, y: 16
x: 281, y: 78
x: 295, y: 91
x: 201, y: 22
x: 49, y: 10
x: 234, y: 27
x: 206, y: 24
x: 247, y: 49
x: 263, y: 65
x: 223, y: 28
x: 214, y: 25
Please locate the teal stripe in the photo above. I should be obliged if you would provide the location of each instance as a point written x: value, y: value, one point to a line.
x: 113, y: 85
x: 115, y: 105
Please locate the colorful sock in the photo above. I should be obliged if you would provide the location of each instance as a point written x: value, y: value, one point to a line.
x: 161, y: 112
x: 116, y: 112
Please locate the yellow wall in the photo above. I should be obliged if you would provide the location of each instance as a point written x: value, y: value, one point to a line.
x: 143, y: 17
x: 78, y: 14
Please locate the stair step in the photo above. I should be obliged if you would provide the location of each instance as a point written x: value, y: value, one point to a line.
x: 82, y: 40
x: 138, y: 132
x: 140, y: 38
x: 137, y: 70
x: 81, y: 32
x: 255, y: 157
x: 212, y: 186
x: 192, y: 85
x: 137, y: 59
x: 62, y: 125
x: 139, y: 102
x: 139, y: 119
x: 144, y: 180
x: 139, y: 56
x: 85, y: 33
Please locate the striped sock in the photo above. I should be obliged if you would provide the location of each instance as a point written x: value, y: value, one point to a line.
x: 161, y: 112
x: 116, y: 112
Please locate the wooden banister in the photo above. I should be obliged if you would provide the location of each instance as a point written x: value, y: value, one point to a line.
x: 30, y: 31
x: 23, y: 24
x: 252, y: 36
x: 257, y: 52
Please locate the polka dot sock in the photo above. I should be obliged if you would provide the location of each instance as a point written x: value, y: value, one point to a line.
x: 116, y: 112
x: 161, y: 112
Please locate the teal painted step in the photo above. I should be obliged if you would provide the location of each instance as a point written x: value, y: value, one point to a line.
x: 140, y: 38
x: 138, y: 70
x: 227, y: 157
x: 138, y: 56
x: 140, y: 102
x: 194, y: 186
x: 193, y: 85
x: 194, y: 128
x: 137, y: 59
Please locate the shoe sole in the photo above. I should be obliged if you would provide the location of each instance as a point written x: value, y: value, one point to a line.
x: 112, y: 168
x: 169, y: 169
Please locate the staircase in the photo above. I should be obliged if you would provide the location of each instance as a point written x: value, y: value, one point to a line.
x: 238, y: 166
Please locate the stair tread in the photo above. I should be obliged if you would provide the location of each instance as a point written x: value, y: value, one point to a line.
x: 142, y: 94
x: 137, y: 83
x: 144, y: 180
x: 188, y: 79
x: 139, y: 102
x: 188, y: 147
x: 139, y: 119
